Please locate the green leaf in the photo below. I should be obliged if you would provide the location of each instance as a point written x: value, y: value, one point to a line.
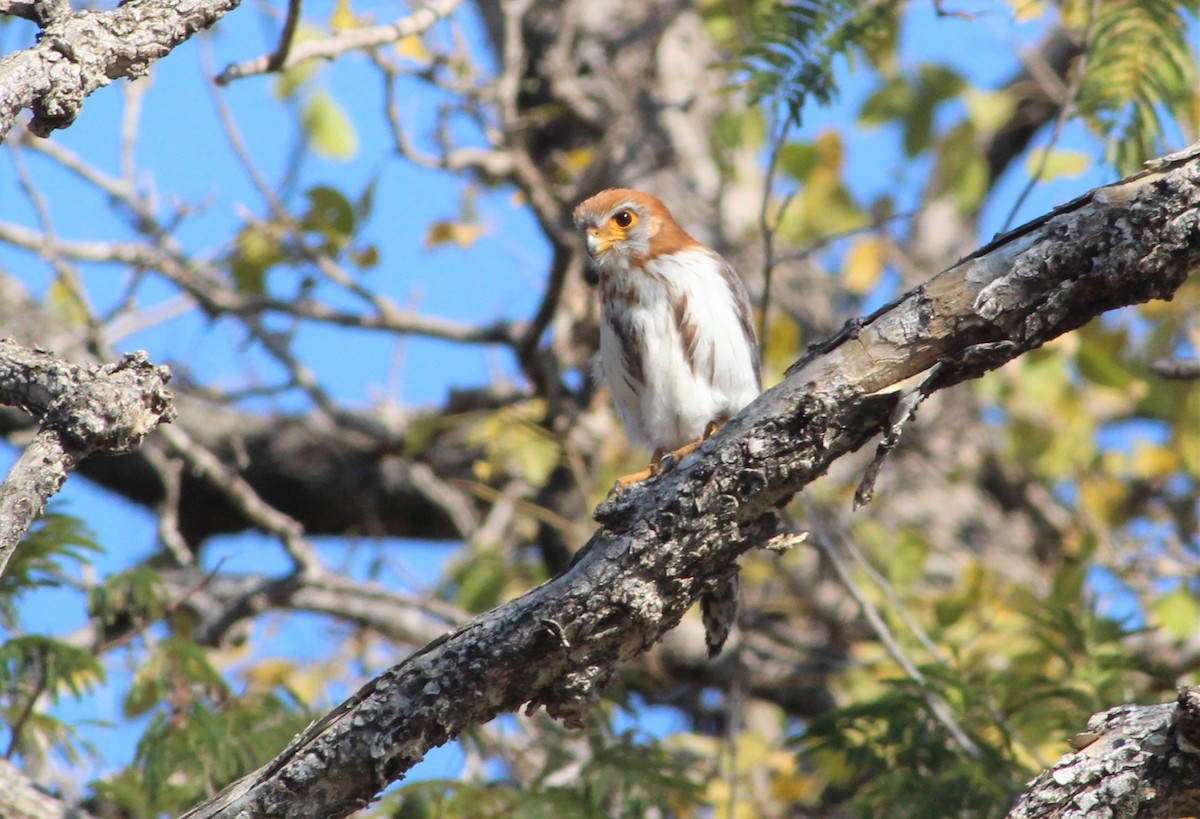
x: 329, y: 214
x: 255, y: 251
x: 799, y: 159
x: 53, y: 540
x: 327, y: 127
x: 286, y: 83
x: 1177, y: 612
x: 890, y: 101
x: 33, y: 660
x: 136, y: 594
x: 365, y: 258
x: 1098, y: 365
x: 481, y: 581
x: 906, y: 564
x: 962, y: 168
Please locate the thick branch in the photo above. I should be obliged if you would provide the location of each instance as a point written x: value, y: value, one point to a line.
x: 83, y: 411
x: 78, y: 53
x: 662, y: 543
x: 1135, y: 760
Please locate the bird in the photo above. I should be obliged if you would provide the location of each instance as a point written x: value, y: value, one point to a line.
x: 678, y: 349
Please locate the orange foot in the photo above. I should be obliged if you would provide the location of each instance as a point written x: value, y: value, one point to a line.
x: 656, y: 466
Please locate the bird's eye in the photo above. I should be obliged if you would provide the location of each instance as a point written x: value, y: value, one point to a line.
x: 624, y: 219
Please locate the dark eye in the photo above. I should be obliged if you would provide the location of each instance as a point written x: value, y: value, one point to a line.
x: 623, y: 219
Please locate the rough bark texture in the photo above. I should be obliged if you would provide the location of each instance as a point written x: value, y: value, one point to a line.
x: 1133, y: 761
x: 661, y: 543
x: 79, y: 52
x: 82, y: 411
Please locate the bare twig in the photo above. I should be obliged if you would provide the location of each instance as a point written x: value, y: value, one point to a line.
x: 1065, y: 112
x: 1180, y: 369
x: 767, y: 226
x: 361, y: 38
x: 242, y: 495
x: 831, y: 548
x: 279, y: 56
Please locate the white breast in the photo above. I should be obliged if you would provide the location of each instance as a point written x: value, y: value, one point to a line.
x: 684, y: 367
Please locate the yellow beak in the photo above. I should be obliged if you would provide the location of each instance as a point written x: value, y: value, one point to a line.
x: 598, y: 241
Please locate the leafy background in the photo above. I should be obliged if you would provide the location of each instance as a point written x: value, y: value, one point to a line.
x: 869, y: 122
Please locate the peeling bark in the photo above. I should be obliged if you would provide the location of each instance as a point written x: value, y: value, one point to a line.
x: 662, y: 543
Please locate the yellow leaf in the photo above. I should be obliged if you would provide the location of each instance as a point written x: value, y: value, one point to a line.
x: 328, y: 128
x: 578, y: 160
x: 863, y: 265
x: 343, y: 18
x: 443, y: 231
x: 989, y: 110
x: 1059, y: 164
x: 1024, y: 10
x: 1151, y: 461
x: 413, y: 48
x: 269, y: 674
x: 65, y: 303
x: 514, y: 444
x: 1177, y: 612
x: 289, y: 81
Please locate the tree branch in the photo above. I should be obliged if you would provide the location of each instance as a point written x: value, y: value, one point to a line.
x: 83, y: 411
x: 78, y: 53
x: 1134, y: 760
x: 418, y: 22
x: 661, y: 543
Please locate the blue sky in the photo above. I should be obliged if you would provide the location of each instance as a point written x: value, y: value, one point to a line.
x: 499, y: 277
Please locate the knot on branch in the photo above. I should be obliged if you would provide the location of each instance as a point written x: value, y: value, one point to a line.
x: 112, y: 408
x: 576, y: 694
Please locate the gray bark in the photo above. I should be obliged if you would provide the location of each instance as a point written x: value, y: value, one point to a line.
x: 79, y: 52
x: 82, y: 411
x: 1132, y: 761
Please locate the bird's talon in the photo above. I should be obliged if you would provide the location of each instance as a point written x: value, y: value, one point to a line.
x: 626, y: 481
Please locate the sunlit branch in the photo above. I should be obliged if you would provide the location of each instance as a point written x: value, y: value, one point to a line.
x: 416, y: 23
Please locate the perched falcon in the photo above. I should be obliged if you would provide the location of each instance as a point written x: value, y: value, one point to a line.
x: 677, y: 343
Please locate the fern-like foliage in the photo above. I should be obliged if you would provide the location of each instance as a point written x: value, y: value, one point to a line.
x: 791, y: 56
x: 1141, y: 67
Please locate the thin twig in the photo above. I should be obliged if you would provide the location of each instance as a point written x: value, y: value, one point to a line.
x: 360, y: 38
x: 245, y: 499
x: 18, y: 726
x: 279, y: 56
x: 768, y: 228
x: 937, y: 705
x: 1065, y: 112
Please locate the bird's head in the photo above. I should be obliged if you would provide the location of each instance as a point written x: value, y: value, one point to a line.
x: 623, y: 228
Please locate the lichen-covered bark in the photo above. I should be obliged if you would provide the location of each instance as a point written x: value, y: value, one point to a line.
x: 79, y: 52
x: 1133, y: 761
x: 662, y: 542
x: 82, y: 411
